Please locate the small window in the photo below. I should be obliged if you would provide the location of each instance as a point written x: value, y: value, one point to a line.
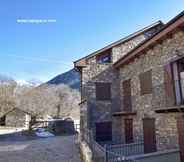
x: 103, y: 91
x: 104, y: 58
x: 146, y: 82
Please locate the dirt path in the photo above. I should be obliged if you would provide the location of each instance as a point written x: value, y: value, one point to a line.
x: 55, y: 149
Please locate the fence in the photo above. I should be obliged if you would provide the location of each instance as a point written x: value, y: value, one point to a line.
x: 107, y: 153
x: 126, y: 149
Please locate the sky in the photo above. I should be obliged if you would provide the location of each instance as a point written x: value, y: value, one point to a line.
x: 69, y: 30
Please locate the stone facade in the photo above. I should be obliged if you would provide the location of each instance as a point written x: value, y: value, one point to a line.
x: 94, y: 111
x: 145, y: 105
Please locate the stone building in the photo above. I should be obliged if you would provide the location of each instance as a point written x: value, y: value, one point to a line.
x: 152, y: 89
x: 15, y: 118
x: 100, y: 84
x: 132, y: 90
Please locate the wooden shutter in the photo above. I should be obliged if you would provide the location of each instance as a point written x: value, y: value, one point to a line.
x: 180, y: 125
x: 103, y: 91
x: 129, y: 130
x: 127, y: 98
x: 149, y: 135
x: 104, y: 131
x: 146, y: 82
x: 169, y: 86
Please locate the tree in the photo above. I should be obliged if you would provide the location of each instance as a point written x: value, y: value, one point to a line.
x: 7, y: 101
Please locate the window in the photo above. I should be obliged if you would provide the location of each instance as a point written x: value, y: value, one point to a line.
x: 178, y: 79
x: 146, y: 82
x: 103, y: 131
x: 103, y: 91
x: 127, y: 100
x: 104, y: 58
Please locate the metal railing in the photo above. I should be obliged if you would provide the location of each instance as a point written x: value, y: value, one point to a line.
x: 123, y: 152
x: 127, y: 149
x: 104, y: 153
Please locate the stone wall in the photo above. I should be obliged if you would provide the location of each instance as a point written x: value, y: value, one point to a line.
x: 101, y: 110
x: 85, y: 152
x: 154, y: 60
x: 123, y: 49
x: 96, y: 72
x: 98, y: 111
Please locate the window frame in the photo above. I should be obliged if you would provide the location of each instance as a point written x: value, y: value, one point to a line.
x: 179, y: 99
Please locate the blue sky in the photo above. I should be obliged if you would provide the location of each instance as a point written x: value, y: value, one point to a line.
x: 41, y: 51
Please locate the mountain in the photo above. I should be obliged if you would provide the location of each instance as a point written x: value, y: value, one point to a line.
x: 70, y: 78
x: 5, y: 79
x: 32, y: 83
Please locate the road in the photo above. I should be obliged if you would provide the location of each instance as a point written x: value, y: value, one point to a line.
x: 54, y: 149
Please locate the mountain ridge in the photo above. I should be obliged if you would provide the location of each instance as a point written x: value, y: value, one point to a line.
x: 70, y: 78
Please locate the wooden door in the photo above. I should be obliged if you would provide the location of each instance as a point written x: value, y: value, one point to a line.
x: 104, y: 131
x: 129, y: 130
x: 149, y: 135
x: 180, y: 125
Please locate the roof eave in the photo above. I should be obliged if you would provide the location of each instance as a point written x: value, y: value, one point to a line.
x: 108, y: 47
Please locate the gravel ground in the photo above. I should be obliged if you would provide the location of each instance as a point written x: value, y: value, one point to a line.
x: 54, y: 149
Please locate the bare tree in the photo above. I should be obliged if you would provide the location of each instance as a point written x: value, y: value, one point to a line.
x: 39, y: 101
x: 7, y: 101
x: 68, y: 101
x: 56, y: 101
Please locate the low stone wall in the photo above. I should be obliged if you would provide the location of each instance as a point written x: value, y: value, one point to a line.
x: 85, y: 152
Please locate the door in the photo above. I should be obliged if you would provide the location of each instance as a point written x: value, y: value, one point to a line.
x: 149, y: 135
x: 103, y: 131
x: 180, y: 125
x: 129, y: 130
